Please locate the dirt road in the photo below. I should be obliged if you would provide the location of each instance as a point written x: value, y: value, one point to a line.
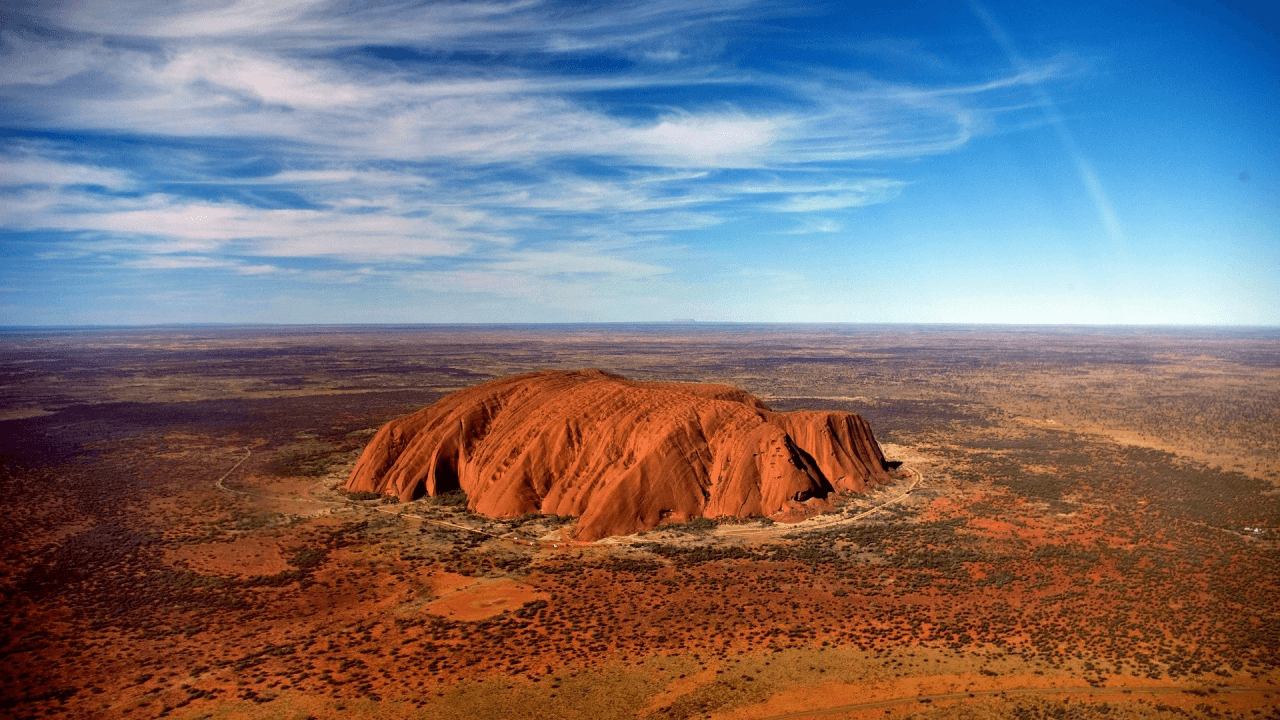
x: 227, y: 474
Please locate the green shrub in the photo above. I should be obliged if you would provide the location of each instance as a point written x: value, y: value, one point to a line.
x: 312, y: 462
x: 453, y: 498
x: 362, y: 495
x: 308, y: 558
x: 694, y: 525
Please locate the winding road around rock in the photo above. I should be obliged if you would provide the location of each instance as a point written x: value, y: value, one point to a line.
x: 865, y: 513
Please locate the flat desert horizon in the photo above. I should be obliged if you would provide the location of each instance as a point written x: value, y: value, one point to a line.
x: 322, y: 395
x: 1076, y: 521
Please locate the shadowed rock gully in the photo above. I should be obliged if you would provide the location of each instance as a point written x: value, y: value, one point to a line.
x: 621, y: 456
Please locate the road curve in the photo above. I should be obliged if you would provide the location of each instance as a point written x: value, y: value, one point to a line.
x: 919, y: 476
x: 227, y: 474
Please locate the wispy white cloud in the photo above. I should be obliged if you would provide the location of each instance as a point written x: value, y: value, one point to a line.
x: 186, y: 262
x: 868, y: 193
x: 29, y: 167
x: 163, y: 225
x: 656, y: 27
x: 517, y: 176
x: 816, y: 225
x: 225, y: 85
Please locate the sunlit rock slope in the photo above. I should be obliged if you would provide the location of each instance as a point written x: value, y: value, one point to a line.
x: 621, y: 456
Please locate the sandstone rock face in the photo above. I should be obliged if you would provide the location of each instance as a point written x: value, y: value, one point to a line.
x: 621, y: 456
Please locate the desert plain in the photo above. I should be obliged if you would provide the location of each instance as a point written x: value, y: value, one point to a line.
x: 1083, y: 524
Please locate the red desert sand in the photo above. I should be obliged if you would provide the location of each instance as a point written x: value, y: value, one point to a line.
x: 621, y: 456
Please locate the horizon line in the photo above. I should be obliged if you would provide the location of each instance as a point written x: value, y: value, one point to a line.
x: 665, y: 323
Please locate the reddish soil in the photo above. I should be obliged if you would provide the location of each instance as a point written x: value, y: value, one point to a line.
x: 1035, y: 572
x: 243, y: 556
x: 480, y: 599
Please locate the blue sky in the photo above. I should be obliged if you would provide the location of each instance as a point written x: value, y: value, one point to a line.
x: 526, y: 161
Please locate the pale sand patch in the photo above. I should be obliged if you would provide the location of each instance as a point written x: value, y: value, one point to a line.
x: 478, y: 598
x: 246, y: 556
x: 905, y: 454
x: 680, y: 687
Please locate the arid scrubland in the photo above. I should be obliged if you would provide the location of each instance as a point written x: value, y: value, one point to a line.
x: 1090, y: 532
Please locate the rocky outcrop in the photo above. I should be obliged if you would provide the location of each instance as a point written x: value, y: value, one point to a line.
x: 621, y: 456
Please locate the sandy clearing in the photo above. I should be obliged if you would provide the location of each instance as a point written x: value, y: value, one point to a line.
x: 680, y: 687
x: 479, y: 598
x: 245, y: 556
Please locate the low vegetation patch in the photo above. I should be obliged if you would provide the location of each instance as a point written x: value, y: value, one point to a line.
x: 361, y: 495
x: 310, y: 462
x: 453, y: 498
x: 695, y: 526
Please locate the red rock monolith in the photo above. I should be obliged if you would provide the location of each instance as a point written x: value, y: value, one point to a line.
x: 621, y: 456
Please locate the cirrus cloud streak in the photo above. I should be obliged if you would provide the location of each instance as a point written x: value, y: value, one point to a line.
x: 443, y: 140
